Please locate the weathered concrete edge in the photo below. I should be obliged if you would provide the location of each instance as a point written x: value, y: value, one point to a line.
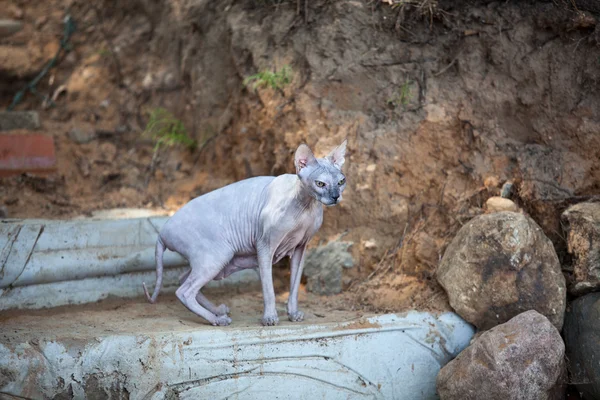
x: 38, y: 251
x: 91, y: 290
x: 393, y: 356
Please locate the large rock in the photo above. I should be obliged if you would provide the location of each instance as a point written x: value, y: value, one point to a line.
x: 582, y: 338
x: 522, y: 359
x: 323, y: 267
x: 583, y: 221
x: 500, y: 265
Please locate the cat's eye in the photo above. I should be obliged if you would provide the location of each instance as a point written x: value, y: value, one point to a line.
x: 319, y: 183
x: 342, y: 181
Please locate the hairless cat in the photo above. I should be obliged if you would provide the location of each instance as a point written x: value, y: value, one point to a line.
x: 252, y: 223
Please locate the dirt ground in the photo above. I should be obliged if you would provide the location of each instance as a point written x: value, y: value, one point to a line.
x: 440, y: 105
x: 115, y: 316
x: 118, y: 316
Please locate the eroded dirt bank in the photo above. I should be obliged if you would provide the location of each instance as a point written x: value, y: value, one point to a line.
x: 440, y: 105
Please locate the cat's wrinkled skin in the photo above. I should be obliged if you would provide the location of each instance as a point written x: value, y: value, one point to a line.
x: 253, y: 223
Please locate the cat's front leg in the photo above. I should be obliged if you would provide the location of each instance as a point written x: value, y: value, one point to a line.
x: 296, y: 264
x: 265, y: 267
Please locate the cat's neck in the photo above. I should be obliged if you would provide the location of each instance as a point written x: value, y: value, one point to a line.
x: 303, y: 197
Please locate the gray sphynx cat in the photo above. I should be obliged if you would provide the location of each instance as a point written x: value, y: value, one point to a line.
x: 252, y: 223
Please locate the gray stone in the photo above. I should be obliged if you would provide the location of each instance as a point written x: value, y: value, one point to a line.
x: 507, y: 190
x: 10, y: 120
x: 323, y: 267
x: 522, y: 359
x: 583, y: 227
x: 500, y: 265
x: 81, y: 136
x: 9, y: 27
x: 582, y: 338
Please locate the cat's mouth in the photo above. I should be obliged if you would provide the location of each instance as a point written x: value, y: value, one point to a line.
x: 330, y: 203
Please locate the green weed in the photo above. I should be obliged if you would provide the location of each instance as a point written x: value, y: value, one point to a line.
x: 274, y: 80
x: 104, y: 52
x: 166, y: 130
x: 402, y: 97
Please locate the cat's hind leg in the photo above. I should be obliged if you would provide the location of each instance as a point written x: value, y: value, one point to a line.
x: 204, y: 269
x: 184, y: 276
x: 203, y: 301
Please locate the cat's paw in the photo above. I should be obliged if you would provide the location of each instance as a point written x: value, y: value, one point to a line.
x: 296, y: 316
x: 270, y: 320
x: 222, y: 310
x: 222, y: 320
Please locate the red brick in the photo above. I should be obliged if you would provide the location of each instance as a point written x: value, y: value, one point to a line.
x: 26, y: 153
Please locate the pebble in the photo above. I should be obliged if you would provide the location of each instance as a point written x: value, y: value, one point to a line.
x: 497, y: 204
x: 81, y: 136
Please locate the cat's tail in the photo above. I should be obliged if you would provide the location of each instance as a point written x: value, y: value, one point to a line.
x: 160, y: 249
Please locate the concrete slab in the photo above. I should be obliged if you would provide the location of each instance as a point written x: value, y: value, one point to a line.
x: 91, y: 290
x: 131, y: 349
x: 47, y: 263
x: 37, y: 251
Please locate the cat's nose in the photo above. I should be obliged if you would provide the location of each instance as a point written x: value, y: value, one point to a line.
x: 335, y: 198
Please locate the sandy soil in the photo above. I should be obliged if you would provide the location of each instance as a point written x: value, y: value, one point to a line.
x: 114, y: 317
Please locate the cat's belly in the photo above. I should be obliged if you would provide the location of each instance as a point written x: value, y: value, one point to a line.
x: 247, y: 261
x: 238, y: 263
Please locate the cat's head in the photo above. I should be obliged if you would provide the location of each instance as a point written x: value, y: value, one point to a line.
x: 322, y: 177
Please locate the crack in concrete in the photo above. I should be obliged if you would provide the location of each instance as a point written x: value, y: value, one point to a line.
x: 5, y: 253
x: 41, y: 230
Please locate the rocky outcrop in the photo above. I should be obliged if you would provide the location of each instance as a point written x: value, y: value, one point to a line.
x: 522, y: 359
x: 500, y: 265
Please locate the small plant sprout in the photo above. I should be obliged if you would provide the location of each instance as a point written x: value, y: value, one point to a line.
x: 166, y: 130
x: 275, y: 80
x: 104, y: 52
x: 401, y: 97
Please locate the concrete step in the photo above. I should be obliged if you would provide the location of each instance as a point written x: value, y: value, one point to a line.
x: 135, y: 350
x: 49, y: 263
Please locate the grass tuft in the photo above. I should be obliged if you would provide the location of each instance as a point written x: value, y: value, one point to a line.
x: 275, y: 80
x: 166, y: 130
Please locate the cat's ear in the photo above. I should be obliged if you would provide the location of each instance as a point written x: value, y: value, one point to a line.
x: 304, y: 157
x: 337, y: 155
